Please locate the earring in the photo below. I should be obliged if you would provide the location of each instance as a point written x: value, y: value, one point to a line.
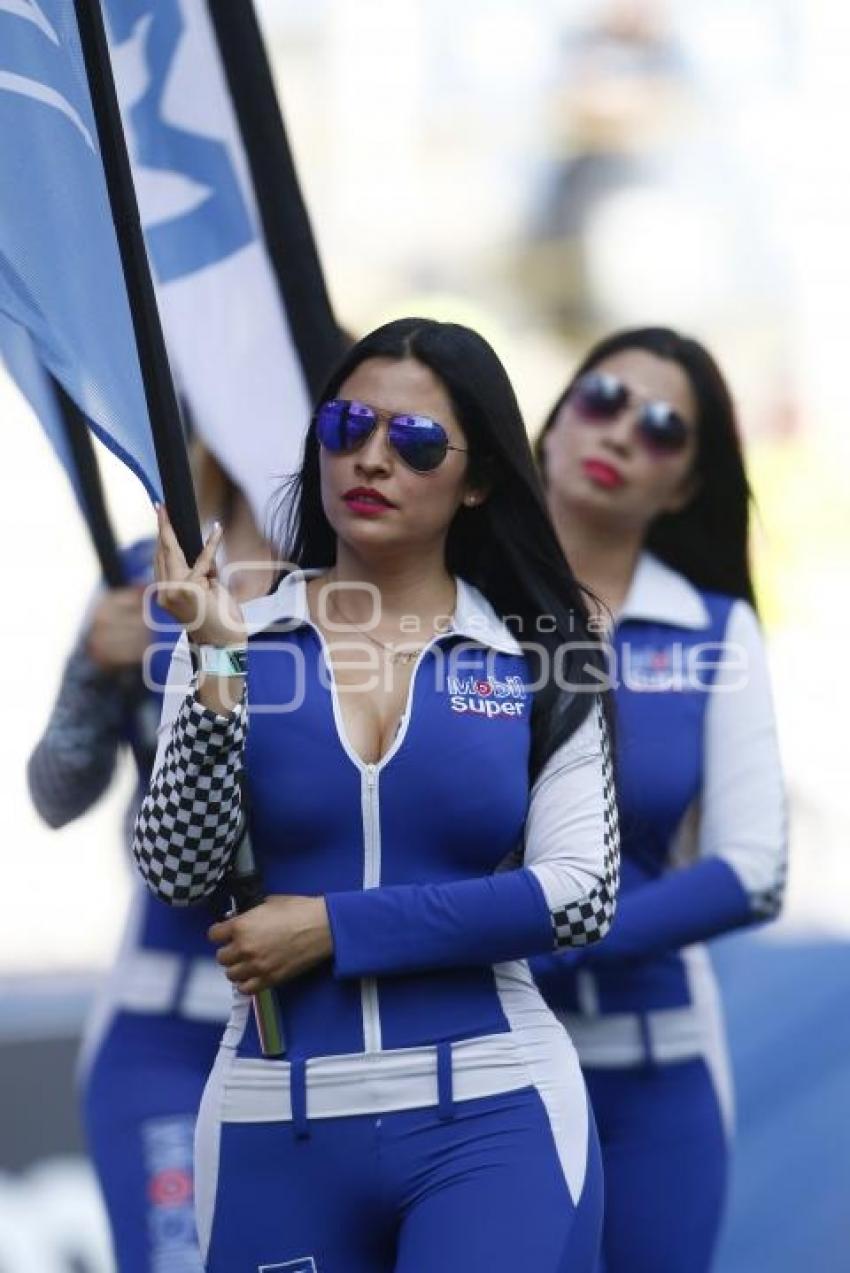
x: 471, y: 500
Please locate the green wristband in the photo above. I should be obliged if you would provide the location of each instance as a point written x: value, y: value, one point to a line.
x: 223, y: 660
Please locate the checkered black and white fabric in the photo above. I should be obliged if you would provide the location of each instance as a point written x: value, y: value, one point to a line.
x: 188, y: 824
x: 587, y: 919
x: 767, y: 903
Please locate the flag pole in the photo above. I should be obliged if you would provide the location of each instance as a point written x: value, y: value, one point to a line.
x: 160, y: 395
x: 163, y: 410
x: 90, y: 487
x: 96, y: 515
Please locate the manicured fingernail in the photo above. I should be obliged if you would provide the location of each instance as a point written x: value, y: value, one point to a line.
x: 216, y: 528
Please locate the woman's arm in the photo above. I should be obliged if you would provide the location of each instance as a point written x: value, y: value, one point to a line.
x: 73, y: 763
x: 74, y: 760
x: 563, y: 895
x: 739, y: 875
x: 189, y: 821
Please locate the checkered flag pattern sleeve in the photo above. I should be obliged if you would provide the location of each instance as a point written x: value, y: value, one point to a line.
x: 189, y: 822
x: 767, y: 903
x: 587, y: 919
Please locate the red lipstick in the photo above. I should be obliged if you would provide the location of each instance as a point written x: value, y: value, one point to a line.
x: 602, y: 474
x: 365, y: 501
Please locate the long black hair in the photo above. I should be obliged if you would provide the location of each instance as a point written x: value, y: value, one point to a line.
x: 505, y: 547
x: 708, y: 539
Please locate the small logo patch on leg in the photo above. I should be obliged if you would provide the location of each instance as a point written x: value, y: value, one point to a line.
x: 167, y: 1149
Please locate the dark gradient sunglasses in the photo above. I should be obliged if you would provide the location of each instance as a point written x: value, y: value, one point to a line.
x: 420, y: 442
x: 599, y: 398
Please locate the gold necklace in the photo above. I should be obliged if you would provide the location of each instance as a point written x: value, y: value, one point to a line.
x: 396, y: 656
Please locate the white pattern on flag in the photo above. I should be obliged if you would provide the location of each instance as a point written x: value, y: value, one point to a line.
x: 11, y: 83
x: 225, y: 326
x: 30, y: 11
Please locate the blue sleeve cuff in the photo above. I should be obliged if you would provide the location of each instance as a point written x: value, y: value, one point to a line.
x: 684, y: 906
x: 412, y: 927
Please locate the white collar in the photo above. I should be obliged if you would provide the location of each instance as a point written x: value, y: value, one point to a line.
x: 474, y: 617
x: 286, y: 605
x: 662, y: 595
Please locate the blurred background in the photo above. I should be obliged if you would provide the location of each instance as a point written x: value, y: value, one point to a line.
x: 545, y: 170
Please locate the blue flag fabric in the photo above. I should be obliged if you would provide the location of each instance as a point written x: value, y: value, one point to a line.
x: 20, y: 359
x: 60, y: 272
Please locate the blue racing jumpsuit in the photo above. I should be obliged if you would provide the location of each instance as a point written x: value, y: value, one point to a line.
x: 429, y: 1112
x: 703, y: 837
x: 156, y: 1024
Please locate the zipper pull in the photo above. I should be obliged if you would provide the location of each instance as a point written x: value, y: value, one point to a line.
x: 371, y: 771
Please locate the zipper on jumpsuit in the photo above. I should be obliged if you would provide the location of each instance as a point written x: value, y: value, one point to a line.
x: 371, y: 878
x: 371, y: 820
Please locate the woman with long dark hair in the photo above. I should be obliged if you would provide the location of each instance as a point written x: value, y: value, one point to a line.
x: 646, y: 485
x: 412, y: 726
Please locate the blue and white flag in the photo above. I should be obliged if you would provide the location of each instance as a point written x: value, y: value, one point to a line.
x: 229, y: 337
x: 60, y: 272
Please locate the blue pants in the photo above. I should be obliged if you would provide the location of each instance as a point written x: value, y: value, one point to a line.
x: 140, y: 1099
x: 665, y: 1156
x: 406, y: 1192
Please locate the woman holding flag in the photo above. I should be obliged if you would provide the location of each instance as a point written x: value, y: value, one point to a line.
x: 393, y: 744
x: 647, y: 488
x: 154, y: 1032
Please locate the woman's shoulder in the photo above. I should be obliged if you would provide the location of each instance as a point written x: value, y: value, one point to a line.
x: 477, y: 619
x: 734, y: 615
x: 137, y: 559
x: 285, y: 603
x: 661, y: 593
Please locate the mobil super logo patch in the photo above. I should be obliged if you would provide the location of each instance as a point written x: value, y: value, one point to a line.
x: 656, y: 668
x: 677, y: 667
x: 485, y: 696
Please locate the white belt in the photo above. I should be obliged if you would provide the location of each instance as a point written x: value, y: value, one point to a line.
x: 256, y: 1091
x: 623, y: 1039
x: 156, y: 981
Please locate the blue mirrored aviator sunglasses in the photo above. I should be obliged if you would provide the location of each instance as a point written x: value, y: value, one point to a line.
x: 420, y: 442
